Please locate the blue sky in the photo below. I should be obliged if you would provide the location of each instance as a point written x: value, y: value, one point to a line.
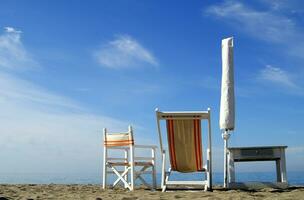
x: 68, y: 69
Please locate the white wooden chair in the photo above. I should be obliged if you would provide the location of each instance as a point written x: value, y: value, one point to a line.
x: 185, y: 146
x: 124, y: 142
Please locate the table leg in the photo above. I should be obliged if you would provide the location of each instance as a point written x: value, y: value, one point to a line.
x: 231, y: 170
x: 278, y: 167
x: 283, y: 166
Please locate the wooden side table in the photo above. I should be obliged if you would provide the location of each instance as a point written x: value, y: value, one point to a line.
x: 263, y: 153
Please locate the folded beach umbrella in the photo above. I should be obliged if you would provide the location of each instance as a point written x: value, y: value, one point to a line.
x: 227, y: 92
x: 227, y: 109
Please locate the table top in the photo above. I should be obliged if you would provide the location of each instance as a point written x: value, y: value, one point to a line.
x: 258, y: 147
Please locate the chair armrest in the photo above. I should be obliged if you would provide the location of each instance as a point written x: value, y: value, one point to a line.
x: 146, y: 146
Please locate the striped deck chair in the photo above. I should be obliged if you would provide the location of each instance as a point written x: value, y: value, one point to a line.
x: 124, y: 142
x: 185, y: 147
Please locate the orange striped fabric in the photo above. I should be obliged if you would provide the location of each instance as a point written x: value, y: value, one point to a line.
x: 198, y: 143
x: 185, y: 144
x: 122, y: 139
x: 119, y: 143
x: 170, y: 130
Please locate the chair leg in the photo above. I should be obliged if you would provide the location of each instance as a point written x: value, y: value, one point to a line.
x: 104, y: 177
x: 104, y: 173
x: 138, y: 176
x: 163, y: 171
x: 166, y: 180
x: 154, y: 176
x: 143, y: 181
x: 121, y: 178
x: 209, y: 171
x: 153, y: 169
x: 132, y: 174
x: 164, y: 188
x: 126, y: 168
x: 132, y: 177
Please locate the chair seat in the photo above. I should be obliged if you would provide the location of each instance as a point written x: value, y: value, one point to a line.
x: 137, y: 163
x: 142, y: 163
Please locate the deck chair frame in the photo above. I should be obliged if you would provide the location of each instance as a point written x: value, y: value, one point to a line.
x: 202, y: 115
x: 128, y: 162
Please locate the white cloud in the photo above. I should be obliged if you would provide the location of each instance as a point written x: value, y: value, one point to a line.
x: 11, y: 30
x: 267, y: 25
x: 290, y: 6
x: 277, y: 76
x: 42, y: 131
x: 124, y: 52
x: 22, y: 91
x: 13, y: 55
x: 45, y: 132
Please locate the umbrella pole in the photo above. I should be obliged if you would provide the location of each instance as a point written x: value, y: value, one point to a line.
x: 225, y: 136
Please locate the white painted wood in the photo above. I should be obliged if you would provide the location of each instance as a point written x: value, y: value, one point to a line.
x: 209, y: 153
x: 187, y: 182
x: 231, y: 170
x: 163, y: 169
x: 131, y: 161
x: 225, y: 137
x: 122, y: 179
x: 159, y: 130
x: 181, y: 114
x: 283, y: 166
x: 129, y: 158
x: 278, y: 168
x: 126, y: 167
x: 167, y: 175
x: 145, y: 146
x: 268, y: 153
x: 120, y: 171
x: 113, y: 159
x: 152, y: 160
x: 143, y: 158
x: 144, y: 182
x: 202, y: 115
x: 184, y: 113
x: 122, y: 175
x: 153, y: 168
x: 140, y: 172
x: 104, y: 166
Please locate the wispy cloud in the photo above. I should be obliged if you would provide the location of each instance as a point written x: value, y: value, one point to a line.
x: 124, y: 52
x: 290, y: 6
x: 22, y: 91
x: 48, y: 128
x: 52, y: 131
x: 267, y: 25
x: 277, y: 76
x: 13, y: 55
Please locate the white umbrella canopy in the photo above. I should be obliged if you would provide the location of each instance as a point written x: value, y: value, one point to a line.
x: 227, y: 107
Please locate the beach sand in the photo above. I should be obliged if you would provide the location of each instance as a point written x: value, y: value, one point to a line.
x: 94, y: 192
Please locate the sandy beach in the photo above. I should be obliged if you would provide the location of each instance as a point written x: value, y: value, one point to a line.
x: 94, y: 192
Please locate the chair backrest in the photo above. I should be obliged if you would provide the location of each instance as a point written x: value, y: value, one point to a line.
x: 184, y: 139
x: 118, y: 139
